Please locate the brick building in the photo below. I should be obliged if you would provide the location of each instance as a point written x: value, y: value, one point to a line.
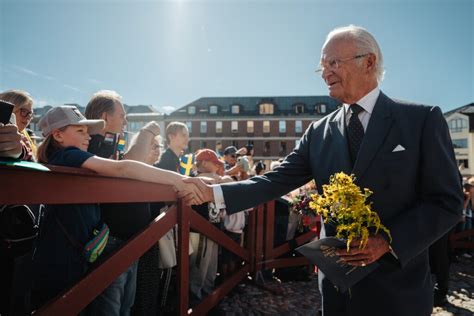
x: 273, y: 125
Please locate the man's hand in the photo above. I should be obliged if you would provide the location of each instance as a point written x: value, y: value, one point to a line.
x: 196, y: 191
x: 10, y: 141
x: 376, y: 247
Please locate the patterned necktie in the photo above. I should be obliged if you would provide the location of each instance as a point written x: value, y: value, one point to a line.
x: 355, y: 131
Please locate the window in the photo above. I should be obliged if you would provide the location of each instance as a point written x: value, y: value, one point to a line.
x: 266, y: 108
x: 202, y: 144
x: 457, y: 125
x: 203, y: 127
x: 235, y: 143
x: 190, y: 126
x: 234, y: 127
x: 460, y: 143
x: 213, y: 109
x: 135, y: 126
x: 299, y: 108
x: 298, y: 127
x: 282, y: 127
x: 266, y: 127
x: 235, y: 109
x: 464, y: 163
x: 297, y: 143
x: 282, y: 148
x: 191, y: 110
x: 322, y: 108
x: 250, y: 127
x: 219, y: 148
x: 266, y: 148
x: 219, y: 127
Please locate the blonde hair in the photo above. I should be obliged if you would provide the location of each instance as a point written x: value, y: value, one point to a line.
x: 101, y: 102
x: 19, y: 98
x: 173, y: 128
x: 48, y: 147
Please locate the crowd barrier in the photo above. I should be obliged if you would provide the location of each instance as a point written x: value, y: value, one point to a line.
x: 462, y: 240
x: 64, y: 185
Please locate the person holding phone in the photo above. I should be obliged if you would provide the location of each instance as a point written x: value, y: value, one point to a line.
x: 10, y: 139
x: 23, y: 112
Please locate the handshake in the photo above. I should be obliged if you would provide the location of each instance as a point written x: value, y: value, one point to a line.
x: 195, y: 191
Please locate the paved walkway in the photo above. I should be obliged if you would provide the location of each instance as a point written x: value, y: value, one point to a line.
x: 303, y: 298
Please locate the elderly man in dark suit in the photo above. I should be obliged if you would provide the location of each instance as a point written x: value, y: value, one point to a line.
x: 401, y: 151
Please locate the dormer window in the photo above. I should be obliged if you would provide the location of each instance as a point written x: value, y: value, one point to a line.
x: 235, y: 109
x: 321, y: 108
x: 266, y: 108
x: 191, y: 110
x: 213, y: 109
x: 299, y: 108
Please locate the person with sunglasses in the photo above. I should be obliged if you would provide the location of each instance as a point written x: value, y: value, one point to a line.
x: 23, y: 110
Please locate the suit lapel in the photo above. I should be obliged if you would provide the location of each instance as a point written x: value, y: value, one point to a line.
x: 339, y: 142
x: 379, y: 125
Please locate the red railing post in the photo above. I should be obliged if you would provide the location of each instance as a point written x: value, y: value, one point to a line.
x: 183, y: 258
x: 259, y: 238
x: 251, y: 239
x: 269, y: 229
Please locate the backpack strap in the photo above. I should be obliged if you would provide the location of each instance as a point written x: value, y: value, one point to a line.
x: 74, y: 242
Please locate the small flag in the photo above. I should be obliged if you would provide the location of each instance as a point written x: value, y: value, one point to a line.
x: 121, y: 147
x: 186, y: 164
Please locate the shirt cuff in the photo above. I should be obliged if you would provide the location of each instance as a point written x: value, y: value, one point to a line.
x: 392, y: 252
x: 218, y: 196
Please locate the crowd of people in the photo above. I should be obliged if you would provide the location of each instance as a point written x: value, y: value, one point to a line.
x: 58, y: 256
x: 371, y: 133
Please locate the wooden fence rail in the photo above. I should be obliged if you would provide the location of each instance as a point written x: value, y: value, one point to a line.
x: 75, y: 186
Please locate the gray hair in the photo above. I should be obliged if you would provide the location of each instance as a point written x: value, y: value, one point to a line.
x: 365, y: 43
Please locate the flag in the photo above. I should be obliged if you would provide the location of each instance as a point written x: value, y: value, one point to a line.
x: 186, y: 164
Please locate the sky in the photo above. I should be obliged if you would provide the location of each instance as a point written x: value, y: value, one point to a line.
x: 170, y: 53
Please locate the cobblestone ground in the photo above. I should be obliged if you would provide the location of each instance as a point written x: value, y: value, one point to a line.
x: 303, y: 298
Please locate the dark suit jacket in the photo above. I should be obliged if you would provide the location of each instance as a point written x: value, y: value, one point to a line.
x: 417, y: 194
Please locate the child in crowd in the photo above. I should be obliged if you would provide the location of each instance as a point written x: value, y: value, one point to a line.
x: 59, y: 258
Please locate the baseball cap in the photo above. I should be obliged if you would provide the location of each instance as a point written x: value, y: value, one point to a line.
x: 230, y: 150
x: 208, y: 155
x: 65, y: 115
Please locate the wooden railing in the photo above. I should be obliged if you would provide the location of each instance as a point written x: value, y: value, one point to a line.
x: 462, y: 240
x: 75, y: 186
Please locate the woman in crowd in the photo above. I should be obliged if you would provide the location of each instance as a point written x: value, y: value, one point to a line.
x: 61, y: 258
x: 23, y: 111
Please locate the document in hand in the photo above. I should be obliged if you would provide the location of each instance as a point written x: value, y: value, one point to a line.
x: 322, y: 253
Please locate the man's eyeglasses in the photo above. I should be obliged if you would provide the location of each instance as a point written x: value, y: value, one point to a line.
x: 336, y: 63
x: 26, y: 113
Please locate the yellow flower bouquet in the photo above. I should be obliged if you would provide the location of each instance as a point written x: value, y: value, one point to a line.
x: 344, y: 204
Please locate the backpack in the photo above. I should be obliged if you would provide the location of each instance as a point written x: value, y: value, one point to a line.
x: 18, y: 227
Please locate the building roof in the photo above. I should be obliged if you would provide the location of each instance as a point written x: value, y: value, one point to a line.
x: 129, y: 109
x: 249, y: 105
x: 465, y: 109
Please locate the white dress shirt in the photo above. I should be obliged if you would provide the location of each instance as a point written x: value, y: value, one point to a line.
x: 367, y: 103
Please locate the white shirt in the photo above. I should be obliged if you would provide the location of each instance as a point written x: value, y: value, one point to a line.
x: 367, y: 103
